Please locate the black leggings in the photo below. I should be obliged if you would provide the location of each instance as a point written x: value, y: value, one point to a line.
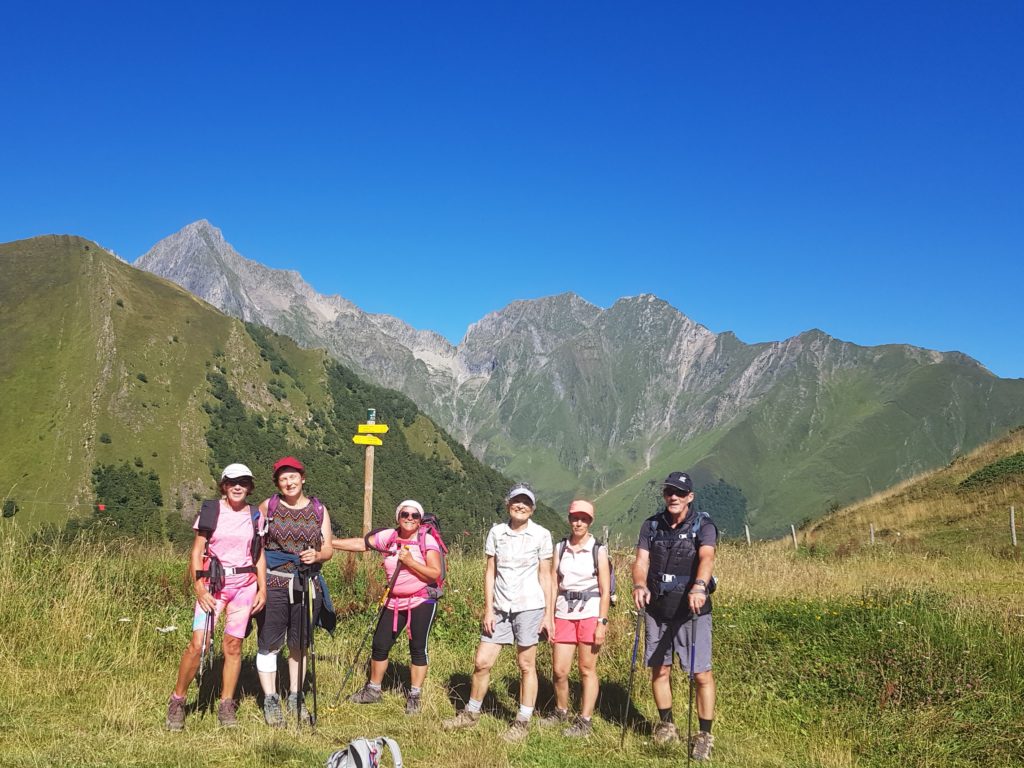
x: 420, y: 623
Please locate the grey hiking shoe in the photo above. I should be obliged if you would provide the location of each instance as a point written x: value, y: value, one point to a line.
x: 293, y: 702
x: 665, y: 733
x: 272, y: 710
x: 366, y: 695
x: 557, y: 717
x: 226, y: 713
x: 175, y: 714
x: 465, y: 719
x: 412, y: 703
x: 518, y: 731
x: 580, y: 729
x: 700, y: 748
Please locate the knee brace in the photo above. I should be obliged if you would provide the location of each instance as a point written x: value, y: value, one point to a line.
x: 266, y: 662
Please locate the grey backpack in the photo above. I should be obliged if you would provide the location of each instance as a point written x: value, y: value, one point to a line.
x: 365, y: 753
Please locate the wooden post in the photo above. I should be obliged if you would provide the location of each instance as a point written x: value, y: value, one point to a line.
x: 1013, y: 526
x: 793, y: 529
x: 871, y: 529
x: 371, y: 418
x: 746, y: 528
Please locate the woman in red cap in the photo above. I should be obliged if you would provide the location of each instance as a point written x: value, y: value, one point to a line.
x: 581, y: 617
x: 297, y: 541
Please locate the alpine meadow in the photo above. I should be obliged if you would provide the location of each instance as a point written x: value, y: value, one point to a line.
x: 889, y: 630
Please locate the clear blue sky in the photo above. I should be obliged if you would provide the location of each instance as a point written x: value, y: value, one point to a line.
x: 765, y: 167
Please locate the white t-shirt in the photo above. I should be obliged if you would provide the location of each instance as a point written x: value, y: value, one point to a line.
x: 576, y: 574
x: 517, y: 556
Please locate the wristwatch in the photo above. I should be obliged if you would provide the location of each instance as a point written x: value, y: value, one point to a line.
x: 603, y: 620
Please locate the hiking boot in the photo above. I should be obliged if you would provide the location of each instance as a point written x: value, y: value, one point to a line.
x: 580, y: 729
x: 518, y: 731
x: 412, y: 703
x: 465, y: 719
x: 700, y: 748
x: 272, y: 711
x: 366, y: 695
x: 665, y: 733
x: 175, y: 714
x: 226, y: 717
x: 557, y: 717
x: 293, y: 703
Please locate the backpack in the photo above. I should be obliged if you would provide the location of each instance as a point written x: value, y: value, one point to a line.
x: 365, y: 753
x: 429, y: 524
x: 613, y: 596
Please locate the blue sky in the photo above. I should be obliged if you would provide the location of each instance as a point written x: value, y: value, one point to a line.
x: 765, y: 167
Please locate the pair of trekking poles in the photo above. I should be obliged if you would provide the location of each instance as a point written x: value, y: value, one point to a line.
x: 307, y: 633
x: 632, y: 672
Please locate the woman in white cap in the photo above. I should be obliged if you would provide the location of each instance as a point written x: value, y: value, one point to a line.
x: 581, y: 616
x: 416, y: 556
x: 228, y: 572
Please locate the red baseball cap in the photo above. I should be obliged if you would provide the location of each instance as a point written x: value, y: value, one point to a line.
x: 289, y: 462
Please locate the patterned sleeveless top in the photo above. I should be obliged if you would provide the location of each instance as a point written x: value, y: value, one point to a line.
x: 291, y: 530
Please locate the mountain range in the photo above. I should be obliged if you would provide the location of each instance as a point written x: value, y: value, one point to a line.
x: 603, y: 403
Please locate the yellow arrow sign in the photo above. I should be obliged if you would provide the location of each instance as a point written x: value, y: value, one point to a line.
x: 379, y: 429
x: 367, y: 440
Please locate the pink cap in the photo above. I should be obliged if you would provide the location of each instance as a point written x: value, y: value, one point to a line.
x: 581, y: 507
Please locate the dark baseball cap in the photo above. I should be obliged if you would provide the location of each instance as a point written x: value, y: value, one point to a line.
x: 679, y: 480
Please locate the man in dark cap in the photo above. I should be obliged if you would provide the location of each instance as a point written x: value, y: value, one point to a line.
x: 672, y: 583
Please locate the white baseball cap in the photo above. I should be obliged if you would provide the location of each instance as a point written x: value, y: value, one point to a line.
x: 235, y: 471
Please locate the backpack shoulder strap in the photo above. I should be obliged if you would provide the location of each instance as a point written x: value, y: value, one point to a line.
x: 597, y: 552
x: 209, y: 512
x: 318, y: 509
x: 396, y: 753
x: 272, y: 504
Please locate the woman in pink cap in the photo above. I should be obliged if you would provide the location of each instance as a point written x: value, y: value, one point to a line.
x: 581, y: 617
x: 410, y: 606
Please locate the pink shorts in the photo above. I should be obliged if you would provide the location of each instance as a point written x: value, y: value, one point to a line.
x: 575, y: 631
x: 238, y: 601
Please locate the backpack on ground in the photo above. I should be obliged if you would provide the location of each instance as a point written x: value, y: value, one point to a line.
x: 613, y: 596
x: 365, y: 753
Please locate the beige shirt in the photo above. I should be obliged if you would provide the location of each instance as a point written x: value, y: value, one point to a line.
x: 517, y: 556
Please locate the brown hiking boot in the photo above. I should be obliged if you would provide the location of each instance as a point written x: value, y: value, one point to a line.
x: 226, y: 717
x: 175, y: 714
x: 465, y: 719
x: 366, y: 695
x: 557, y: 717
x: 580, y: 729
x: 518, y: 731
x: 701, y: 746
x: 665, y: 733
x: 412, y: 703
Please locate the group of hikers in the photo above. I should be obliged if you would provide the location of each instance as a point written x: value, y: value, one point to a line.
x: 263, y: 563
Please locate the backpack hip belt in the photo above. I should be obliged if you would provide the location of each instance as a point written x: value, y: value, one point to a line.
x: 228, y: 571
x: 578, y: 600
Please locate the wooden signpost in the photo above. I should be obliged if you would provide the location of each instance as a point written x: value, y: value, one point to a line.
x: 366, y: 435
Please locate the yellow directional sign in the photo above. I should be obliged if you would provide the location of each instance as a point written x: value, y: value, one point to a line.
x: 379, y: 429
x: 367, y: 440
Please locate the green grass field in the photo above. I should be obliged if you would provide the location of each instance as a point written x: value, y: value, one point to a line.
x: 873, y: 659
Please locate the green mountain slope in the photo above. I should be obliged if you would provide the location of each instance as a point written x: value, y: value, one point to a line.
x: 102, y: 364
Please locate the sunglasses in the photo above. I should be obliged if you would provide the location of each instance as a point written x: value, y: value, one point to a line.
x: 242, y: 483
x: 675, y: 492
x: 579, y: 519
x: 410, y: 515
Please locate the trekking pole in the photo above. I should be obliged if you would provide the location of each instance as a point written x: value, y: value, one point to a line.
x: 689, y: 713
x: 380, y: 612
x: 312, y: 647
x: 207, y: 641
x: 302, y: 658
x: 632, y: 671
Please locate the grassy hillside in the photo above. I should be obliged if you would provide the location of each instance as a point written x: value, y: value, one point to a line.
x: 836, y: 654
x: 108, y: 366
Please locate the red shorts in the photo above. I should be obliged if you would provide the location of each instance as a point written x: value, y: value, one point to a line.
x: 575, y: 631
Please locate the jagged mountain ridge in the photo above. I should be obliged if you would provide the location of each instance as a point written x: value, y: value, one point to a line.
x: 590, y: 401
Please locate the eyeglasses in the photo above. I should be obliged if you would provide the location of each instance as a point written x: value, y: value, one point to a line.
x: 675, y: 492
x: 580, y: 519
x: 242, y: 482
x: 410, y: 515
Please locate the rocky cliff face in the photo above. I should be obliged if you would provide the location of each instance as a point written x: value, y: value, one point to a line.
x: 585, y: 400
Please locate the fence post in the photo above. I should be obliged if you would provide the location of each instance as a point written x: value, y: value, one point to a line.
x: 871, y: 527
x: 747, y: 529
x: 1013, y: 527
x: 793, y: 529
